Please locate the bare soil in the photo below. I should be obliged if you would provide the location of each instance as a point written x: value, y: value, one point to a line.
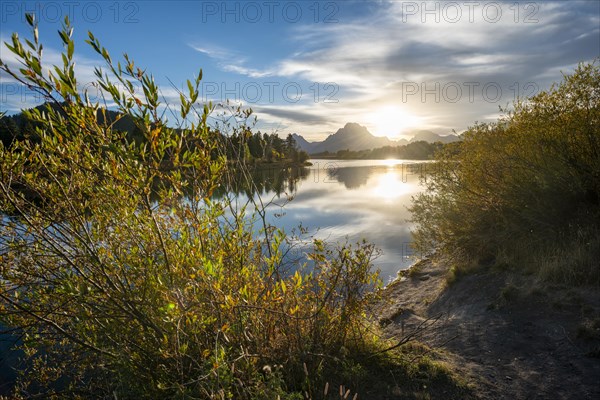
x: 506, y: 334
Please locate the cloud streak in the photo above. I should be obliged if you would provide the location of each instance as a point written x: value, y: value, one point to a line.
x: 444, y: 69
x: 375, y: 59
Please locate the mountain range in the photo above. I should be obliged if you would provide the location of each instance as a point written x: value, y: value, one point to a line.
x: 356, y: 137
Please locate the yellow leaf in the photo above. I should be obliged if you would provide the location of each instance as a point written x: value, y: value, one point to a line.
x: 283, y: 287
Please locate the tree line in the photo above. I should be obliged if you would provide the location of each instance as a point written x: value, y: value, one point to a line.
x: 263, y: 147
x: 244, y: 146
x: 419, y: 150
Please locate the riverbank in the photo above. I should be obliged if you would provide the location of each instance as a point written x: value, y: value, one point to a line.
x: 279, y: 164
x: 507, y: 334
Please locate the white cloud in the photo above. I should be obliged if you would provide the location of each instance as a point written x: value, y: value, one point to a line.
x: 372, y: 59
x: 252, y: 73
x: 216, y: 52
x: 230, y: 61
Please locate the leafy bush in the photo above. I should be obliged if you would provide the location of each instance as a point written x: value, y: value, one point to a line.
x: 122, y: 287
x: 524, y: 188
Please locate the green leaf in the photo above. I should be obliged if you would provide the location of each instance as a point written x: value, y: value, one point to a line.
x: 70, y: 49
x: 31, y: 46
x: 35, y: 65
x: 64, y: 37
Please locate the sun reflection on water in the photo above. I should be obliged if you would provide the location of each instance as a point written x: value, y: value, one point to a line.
x: 390, y: 186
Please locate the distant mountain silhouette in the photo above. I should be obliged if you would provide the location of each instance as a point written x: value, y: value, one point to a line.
x: 432, y: 137
x: 355, y: 137
x: 303, y: 144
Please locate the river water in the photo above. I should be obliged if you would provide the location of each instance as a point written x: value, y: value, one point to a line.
x: 339, y: 200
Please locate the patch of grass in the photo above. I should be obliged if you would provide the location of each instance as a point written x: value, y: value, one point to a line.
x: 432, y: 376
x: 458, y: 270
x: 507, y: 295
x: 451, y: 277
x: 575, y: 263
x: 407, y: 373
x: 415, y: 348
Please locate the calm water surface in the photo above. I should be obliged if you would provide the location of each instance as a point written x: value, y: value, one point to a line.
x: 354, y: 199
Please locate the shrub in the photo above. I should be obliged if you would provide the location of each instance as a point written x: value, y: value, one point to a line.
x: 126, y: 278
x: 524, y: 186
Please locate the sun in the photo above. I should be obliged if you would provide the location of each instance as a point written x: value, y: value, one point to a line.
x: 391, y: 121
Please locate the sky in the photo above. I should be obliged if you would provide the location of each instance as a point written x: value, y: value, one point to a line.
x: 309, y: 67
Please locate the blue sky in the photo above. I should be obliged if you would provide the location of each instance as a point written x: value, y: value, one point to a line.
x: 311, y: 66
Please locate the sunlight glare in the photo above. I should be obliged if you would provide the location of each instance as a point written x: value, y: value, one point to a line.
x: 391, y: 162
x: 392, y: 121
x: 390, y: 186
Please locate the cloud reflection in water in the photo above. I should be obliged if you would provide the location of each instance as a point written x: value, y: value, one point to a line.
x: 355, y: 200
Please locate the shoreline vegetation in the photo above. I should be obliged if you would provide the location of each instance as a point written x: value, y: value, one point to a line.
x: 419, y: 150
x: 129, y: 279
x: 523, y: 191
x: 278, y: 164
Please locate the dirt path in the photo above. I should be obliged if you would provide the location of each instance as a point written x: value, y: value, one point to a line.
x: 508, y: 335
